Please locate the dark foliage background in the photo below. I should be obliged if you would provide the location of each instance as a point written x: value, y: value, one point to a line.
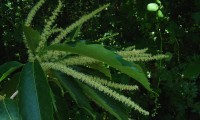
x: 178, y: 33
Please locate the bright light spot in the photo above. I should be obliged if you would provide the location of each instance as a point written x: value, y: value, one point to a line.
x: 152, y: 33
x: 154, y: 38
x: 182, y: 75
x: 148, y: 74
x: 166, y: 31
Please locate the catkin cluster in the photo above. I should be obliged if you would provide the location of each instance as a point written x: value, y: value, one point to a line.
x: 63, y: 61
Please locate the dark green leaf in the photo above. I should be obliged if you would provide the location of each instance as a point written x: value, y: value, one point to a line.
x: 114, y: 107
x: 100, y: 53
x: 10, y: 86
x: 9, y: 110
x: 7, y: 68
x: 196, y: 17
x: 32, y: 37
x: 60, y: 104
x: 192, y: 69
x: 61, y: 113
x: 34, y: 94
x: 75, y: 33
x: 75, y: 91
x: 100, y: 67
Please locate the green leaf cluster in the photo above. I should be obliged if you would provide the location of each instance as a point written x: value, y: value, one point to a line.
x: 51, y: 60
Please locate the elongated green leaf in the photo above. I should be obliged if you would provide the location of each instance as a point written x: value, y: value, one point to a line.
x: 60, y: 104
x: 32, y: 37
x: 35, y: 101
x: 10, y: 86
x: 7, y: 68
x: 75, y: 91
x: 62, y: 109
x: 114, y: 107
x: 9, y: 110
x: 100, y: 67
x: 100, y: 53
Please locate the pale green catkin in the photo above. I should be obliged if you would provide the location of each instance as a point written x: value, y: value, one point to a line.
x: 84, y: 78
x: 47, y: 29
x: 33, y: 11
x: 77, y: 23
x: 62, y: 61
x: 28, y: 21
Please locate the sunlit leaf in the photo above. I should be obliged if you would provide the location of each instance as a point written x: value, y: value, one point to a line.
x: 109, y: 57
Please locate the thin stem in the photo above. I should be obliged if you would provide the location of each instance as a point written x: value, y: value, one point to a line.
x: 14, y: 94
